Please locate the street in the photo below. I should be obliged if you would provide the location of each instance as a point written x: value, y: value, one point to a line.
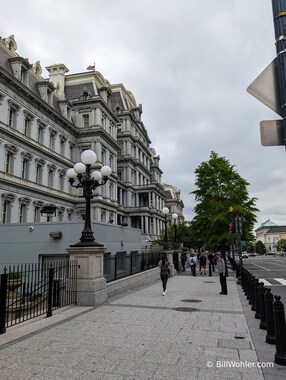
x: 270, y: 270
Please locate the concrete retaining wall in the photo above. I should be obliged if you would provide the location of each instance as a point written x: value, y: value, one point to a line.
x: 134, y: 281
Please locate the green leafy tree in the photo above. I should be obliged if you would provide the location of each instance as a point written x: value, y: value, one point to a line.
x: 281, y: 245
x: 183, y: 234
x: 260, y: 247
x: 220, y: 187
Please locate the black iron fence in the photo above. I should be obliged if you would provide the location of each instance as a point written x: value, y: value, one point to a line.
x: 30, y: 290
x: 123, y: 264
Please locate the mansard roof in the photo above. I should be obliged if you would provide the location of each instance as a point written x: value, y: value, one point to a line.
x: 76, y: 91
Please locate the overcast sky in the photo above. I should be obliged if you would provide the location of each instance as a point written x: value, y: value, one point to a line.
x: 188, y: 63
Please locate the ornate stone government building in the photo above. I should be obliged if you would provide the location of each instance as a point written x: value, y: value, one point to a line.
x: 45, y: 124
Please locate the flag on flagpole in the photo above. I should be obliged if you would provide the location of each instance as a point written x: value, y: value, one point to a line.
x: 90, y: 67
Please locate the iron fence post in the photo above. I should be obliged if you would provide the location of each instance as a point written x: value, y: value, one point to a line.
x: 56, y: 294
x: 3, y: 301
x: 50, y: 292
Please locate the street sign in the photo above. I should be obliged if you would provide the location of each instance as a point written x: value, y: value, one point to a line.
x: 272, y: 132
x: 265, y: 88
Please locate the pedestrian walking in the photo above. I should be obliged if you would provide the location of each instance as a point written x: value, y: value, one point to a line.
x: 211, y: 260
x: 164, y: 265
x: 193, y: 263
x: 221, y: 268
x: 203, y: 263
x: 183, y: 261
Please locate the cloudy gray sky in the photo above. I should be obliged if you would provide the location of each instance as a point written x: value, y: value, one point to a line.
x: 188, y: 62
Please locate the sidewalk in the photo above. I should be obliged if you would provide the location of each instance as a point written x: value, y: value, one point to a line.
x: 139, y: 335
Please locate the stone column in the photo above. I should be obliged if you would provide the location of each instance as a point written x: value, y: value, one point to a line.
x: 91, y: 284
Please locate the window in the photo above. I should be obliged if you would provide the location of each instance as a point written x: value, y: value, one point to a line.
x: 9, y: 163
x: 8, y: 199
x: 22, y: 213
x: 62, y: 145
x: 40, y: 135
x: 62, y: 180
x: 50, y: 178
x: 37, y: 211
x: 103, y: 121
x: 9, y: 158
x: 72, y: 151
x: 39, y: 174
x: 25, y: 168
x: 103, y: 216
x: 51, y: 174
x: 12, y: 117
x: 6, y: 212
x: 85, y: 120
x: 39, y: 170
x: 27, y: 126
x: 52, y: 140
x: 26, y: 158
x: 23, y: 75
x: 103, y: 156
x: 111, y: 161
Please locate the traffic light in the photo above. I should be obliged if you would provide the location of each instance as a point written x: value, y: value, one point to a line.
x: 231, y: 228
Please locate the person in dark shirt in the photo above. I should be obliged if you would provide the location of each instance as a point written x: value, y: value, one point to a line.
x: 164, y: 265
x: 203, y: 263
x: 183, y: 261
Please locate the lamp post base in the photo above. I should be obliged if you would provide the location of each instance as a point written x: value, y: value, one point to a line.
x: 91, y: 284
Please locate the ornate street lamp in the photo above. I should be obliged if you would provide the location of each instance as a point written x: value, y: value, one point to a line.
x: 238, y: 225
x: 88, y: 181
x: 165, y: 212
x: 175, y: 217
x: 231, y: 231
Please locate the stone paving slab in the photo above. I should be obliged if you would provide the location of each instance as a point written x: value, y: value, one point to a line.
x: 139, y: 335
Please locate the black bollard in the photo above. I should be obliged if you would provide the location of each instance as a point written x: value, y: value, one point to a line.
x: 242, y: 277
x: 248, y: 286
x: 210, y: 270
x: 280, y: 331
x: 270, y: 336
x: 255, y: 287
x: 257, y: 300
x: 262, y: 291
x: 251, y: 290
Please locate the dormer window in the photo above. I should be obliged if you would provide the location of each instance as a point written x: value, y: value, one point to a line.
x: 85, y: 120
x: 20, y: 67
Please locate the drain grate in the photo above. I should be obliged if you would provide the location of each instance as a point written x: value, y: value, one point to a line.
x: 239, y: 337
x: 186, y: 309
x: 209, y: 282
x: 191, y: 300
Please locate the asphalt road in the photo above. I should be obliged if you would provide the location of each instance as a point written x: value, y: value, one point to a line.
x: 270, y: 270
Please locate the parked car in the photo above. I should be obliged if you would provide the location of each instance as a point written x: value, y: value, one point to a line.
x: 244, y: 255
x: 252, y: 254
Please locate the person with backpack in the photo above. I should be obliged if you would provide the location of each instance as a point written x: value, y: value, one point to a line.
x: 193, y: 263
x: 164, y: 265
x: 203, y: 263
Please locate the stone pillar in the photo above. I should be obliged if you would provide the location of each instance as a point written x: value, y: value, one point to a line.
x: 91, y: 284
